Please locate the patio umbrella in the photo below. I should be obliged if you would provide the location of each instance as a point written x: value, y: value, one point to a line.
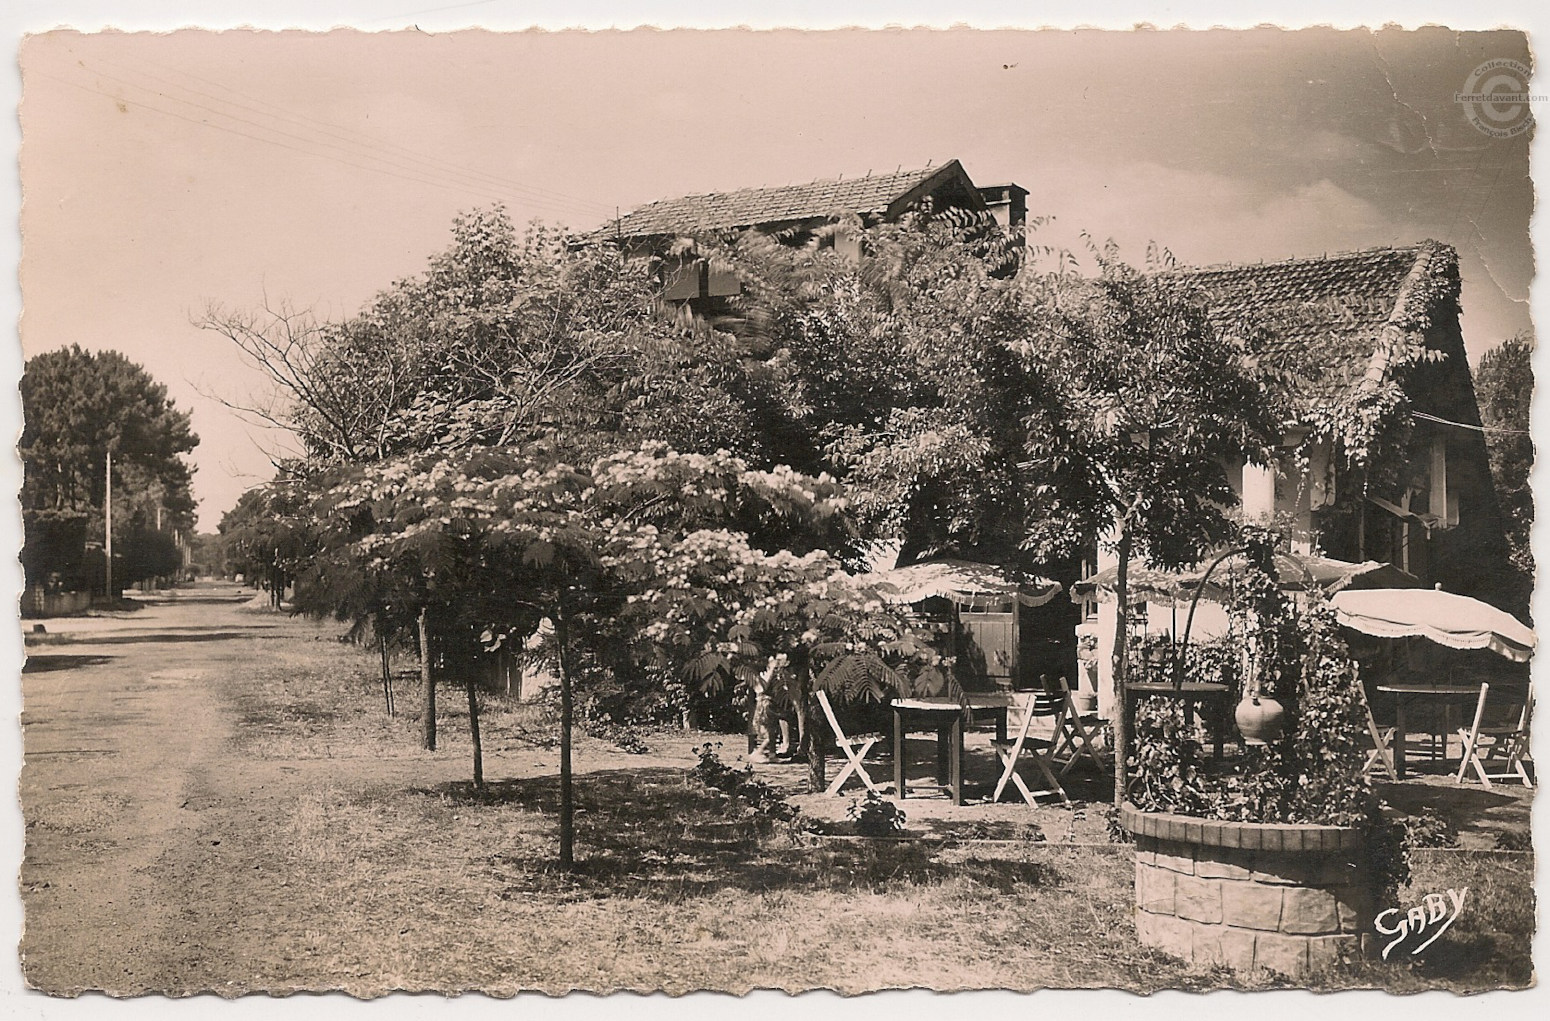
x: 1455, y: 621
x: 1295, y: 571
x: 970, y: 585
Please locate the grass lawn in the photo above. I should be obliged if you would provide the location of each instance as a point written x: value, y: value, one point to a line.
x: 375, y: 866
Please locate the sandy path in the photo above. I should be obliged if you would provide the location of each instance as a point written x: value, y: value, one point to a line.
x: 126, y: 744
x: 169, y: 852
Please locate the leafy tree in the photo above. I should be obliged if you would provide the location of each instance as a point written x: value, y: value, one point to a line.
x: 78, y: 407
x: 1504, y: 386
x: 54, y: 549
x: 208, y: 554
x: 268, y: 537
x: 1147, y: 403
x: 894, y: 374
x: 503, y: 339
x: 149, y: 554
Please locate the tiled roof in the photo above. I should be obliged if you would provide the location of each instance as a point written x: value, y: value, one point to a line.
x: 1327, y: 311
x: 747, y: 207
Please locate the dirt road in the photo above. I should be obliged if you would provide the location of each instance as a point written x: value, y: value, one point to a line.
x: 126, y: 755
x: 215, y: 800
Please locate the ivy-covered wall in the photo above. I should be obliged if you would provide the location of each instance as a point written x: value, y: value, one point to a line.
x: 1469, y: 558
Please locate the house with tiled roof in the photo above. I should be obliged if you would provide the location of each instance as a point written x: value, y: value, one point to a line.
x: 1386, y: 460
x: 1366, y: 334
x: 798, y: 212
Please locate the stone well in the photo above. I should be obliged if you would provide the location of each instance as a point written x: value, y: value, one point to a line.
x: 1289, y: 898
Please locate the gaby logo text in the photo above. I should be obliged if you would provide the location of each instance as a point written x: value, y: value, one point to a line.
x: 1430, y: 918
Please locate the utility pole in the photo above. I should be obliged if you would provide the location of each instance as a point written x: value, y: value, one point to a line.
x: 107, y: 519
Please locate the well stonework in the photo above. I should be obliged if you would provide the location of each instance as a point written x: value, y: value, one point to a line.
x: 1287, y: 898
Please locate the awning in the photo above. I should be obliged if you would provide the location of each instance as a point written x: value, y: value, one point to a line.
x: 1455, y: 621
x: 973, y: 586
x: 1296, y: 572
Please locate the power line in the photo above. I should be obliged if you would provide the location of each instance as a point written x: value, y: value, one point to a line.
x: 367, y: 140
x: 344, y: 146
x: 1474, y: 221
x: 259, y: 138
x: 1458, y: 207
x: 1466, y: 425
x: 415, y: 174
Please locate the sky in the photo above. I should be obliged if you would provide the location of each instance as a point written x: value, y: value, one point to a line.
x: 164, y: 174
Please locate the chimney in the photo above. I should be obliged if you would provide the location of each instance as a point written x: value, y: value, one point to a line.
x: 1008, y: 203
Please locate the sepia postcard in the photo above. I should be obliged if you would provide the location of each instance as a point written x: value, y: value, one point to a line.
x: 756, y: 510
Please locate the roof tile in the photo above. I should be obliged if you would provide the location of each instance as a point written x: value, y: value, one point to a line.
x: 750, y: 206
x: 1331, y: 307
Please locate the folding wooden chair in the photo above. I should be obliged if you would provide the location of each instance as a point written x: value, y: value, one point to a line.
x: 855, y: 749
x: 1011, y: 752
x: 1509, y: 742
x: 1075, y: 737
x: 1382, y: 737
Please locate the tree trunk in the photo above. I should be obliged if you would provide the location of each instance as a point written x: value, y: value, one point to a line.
x: 567, y: 801
x: 428, y: 680
x: 812, y: 744
x: 1121, y: 660
x: 387, y: 673
x: 473, y: 728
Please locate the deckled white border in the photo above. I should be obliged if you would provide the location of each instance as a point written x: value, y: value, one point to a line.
x: 21, y: 16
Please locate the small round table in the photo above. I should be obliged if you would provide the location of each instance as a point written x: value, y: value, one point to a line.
x: 1189, y: 692
x: 1449, y: 694
x: 945, y: 716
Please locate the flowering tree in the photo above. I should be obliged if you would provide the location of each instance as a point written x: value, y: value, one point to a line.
x: 719, y: 611
x: 479, y: 547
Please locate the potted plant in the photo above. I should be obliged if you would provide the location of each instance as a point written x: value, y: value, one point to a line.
x: 1086, y: 691
x: 1277, y: 858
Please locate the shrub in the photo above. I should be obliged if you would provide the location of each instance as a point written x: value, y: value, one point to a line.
x: 1117, y: 832
x: 740, y: 785
x: 1388, y: 855
x: 875, y: 816
x: 1514, y: 840
x: 625, y: 737
x: 1033, y: 833
x: 1428, y: 829
x: 1215, y: 660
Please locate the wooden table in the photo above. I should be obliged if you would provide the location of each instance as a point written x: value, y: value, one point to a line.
x: 1190, y: 692
x: 1449, y: 693
x: 945, y: 716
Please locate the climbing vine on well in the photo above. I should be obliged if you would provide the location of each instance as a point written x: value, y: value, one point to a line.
x: 1314, y: 771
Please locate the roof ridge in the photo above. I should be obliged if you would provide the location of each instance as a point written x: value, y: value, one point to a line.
x: 869, y: 175
x: 1418, y: 247
x: 1393, y: 325
x: 872, y: 192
